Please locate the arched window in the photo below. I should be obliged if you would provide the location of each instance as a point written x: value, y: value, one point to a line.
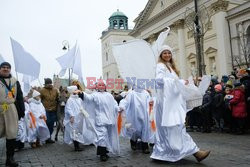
x: 121, y: 22
x: 115, y: 24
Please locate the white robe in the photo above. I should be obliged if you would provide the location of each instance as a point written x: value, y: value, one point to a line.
x: 106, y: 112
x: 39, y: 129
x: 137, y: 122
x: 82, y: 129
x: 23, y: 126
x: 172, y: 142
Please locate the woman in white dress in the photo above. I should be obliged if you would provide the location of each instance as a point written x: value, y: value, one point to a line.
x: 172, y: 142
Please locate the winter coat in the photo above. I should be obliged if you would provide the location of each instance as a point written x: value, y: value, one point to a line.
x: 206, y: 102
x: 49, y: 98
x: 218, y: 102
x: 238, y: 104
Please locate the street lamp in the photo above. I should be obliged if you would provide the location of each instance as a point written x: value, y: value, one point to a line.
x: 65, y: 44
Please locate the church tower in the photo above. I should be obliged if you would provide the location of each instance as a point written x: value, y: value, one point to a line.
x: 117, y: 32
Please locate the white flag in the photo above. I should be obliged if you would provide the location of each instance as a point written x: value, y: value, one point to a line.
x: 67, y: 60
x: 1, y: 59
x: 25, y: 63
x: 71, y: 59
x: 77, y: 68
x: 26, y: 83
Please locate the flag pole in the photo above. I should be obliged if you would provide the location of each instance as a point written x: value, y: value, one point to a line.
x: 16, y: 75
x: 39, y: 82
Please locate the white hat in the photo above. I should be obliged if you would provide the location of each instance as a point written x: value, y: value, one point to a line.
x: 35, y: 93
x: 165, y: 47
x: 71, y: 89
x: 101, y: 81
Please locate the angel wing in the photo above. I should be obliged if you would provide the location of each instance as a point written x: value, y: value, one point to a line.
x: 135, y: 58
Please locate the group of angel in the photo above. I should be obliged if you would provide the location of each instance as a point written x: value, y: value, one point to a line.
x: 96, y: 118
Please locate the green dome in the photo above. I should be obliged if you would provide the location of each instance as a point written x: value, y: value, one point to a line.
x: 118, y: 13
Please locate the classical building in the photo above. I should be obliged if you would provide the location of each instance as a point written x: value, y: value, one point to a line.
x: 159, y: 14
x: 226, y: 19
x: 239, y: 31
x: 117, y: 32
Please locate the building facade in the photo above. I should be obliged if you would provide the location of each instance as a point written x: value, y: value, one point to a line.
x: 239, y: 31
x: 222, y: 20
x: 160, y: 14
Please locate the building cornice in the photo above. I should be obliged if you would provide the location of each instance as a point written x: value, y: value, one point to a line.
x: 179, y: 24
x: 239, y: 10
x: 220, y: 5
x: 166, y: 12
x: 110, y: 31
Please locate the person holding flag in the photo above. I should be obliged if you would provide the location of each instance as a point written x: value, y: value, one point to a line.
x: 11, y: 109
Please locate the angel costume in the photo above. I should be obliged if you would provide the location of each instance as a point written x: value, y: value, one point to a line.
x: 37, y: 117
x: 172, y: 141
x: 137, y: 126
x: 106, y: 112
x: 79, y: 130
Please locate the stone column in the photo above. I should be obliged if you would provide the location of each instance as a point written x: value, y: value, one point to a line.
x: 222, y: 32
x: 179, y: 25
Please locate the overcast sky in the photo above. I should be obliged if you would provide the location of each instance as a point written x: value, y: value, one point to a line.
x: 41, y: 26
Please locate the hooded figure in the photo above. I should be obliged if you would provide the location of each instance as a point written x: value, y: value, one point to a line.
x: 136, y: 106
x: 37, y: 117
x: 106, y: 113
x: 172, y: 142
x: 78, y: 128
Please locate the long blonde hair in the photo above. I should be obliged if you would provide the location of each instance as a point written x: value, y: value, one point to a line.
x: 172, y: 63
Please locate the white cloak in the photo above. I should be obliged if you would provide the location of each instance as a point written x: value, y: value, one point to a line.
x: 172, y: 142
x: 40, y: 126
x: 82, y: 129
x: 106, y: 113
x: 137, y: 122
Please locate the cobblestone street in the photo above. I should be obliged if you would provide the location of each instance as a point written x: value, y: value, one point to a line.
x: 227, y: 150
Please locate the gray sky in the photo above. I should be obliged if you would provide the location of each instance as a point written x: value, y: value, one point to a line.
x: 41, y: 26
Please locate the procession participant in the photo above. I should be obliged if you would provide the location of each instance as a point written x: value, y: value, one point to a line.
x: 49, y: 98
x: 172, y: 142
x: 106, y: 112
x: 136, y: 106
x: 11, y: 110
x: 38, y: 118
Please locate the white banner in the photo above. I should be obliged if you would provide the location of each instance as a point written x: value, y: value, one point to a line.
x: 25, y: 63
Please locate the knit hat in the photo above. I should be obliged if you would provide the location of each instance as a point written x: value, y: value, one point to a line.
x: 71, y: 89
x: 35, y: 93
x: 47, y: 81
x: 229, y: 83
x: 218, y: 87
x: 165, y: 47
x: 5, y: 64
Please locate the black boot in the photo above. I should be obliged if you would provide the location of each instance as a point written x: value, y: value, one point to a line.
x: 102, y: 151
x: 133, y: 144
x: 10, y: 148
x: 77, y: 147
x: 145, y: 148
